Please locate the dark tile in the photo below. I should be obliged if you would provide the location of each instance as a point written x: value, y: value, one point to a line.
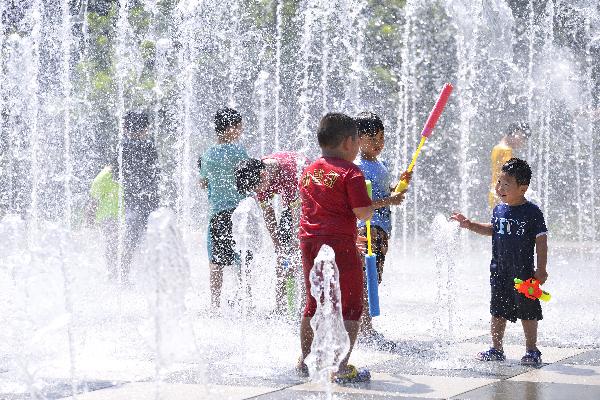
x: 590, y: 357
x: 509, y: 390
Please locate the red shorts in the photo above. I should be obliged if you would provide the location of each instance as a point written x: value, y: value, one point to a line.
x: 350, y: 268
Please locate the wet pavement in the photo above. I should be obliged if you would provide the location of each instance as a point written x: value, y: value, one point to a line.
x: 414, y: 370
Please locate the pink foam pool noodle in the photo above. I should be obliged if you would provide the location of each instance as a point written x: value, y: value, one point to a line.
x: 437, y: 110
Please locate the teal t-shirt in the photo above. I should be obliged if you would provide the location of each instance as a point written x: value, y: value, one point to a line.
x: 217, y: 166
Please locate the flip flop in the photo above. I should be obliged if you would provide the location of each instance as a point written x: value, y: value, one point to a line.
x: 354, y: 375
x: 302, y: 371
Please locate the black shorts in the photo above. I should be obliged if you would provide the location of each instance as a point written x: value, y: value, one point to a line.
x: 379, y: 243
x: 221, y: 238
x: 507, y: 303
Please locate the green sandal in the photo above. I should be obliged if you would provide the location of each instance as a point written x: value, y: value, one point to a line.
x: 354, y: 375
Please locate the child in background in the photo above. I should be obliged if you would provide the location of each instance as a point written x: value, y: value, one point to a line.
x: 217, y: 173
x: 140, y: 172
x: 372, y: 140
x: 279, y: 174
x: 515, y: 138
x: 334, y: 195
x: 105, y: 193
x: 517, y: 227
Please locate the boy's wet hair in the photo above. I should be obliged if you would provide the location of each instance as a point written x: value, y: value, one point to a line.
x: 226, y: 118
x: 368, y: 124
x: 247, y: 175
x: 135, y: 121
x: 515, y: 127
x: 334, y: 128
x: 519, y: 169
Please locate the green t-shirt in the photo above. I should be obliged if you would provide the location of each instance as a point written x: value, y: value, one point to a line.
x: 217, y: 166
x: 106, y: 191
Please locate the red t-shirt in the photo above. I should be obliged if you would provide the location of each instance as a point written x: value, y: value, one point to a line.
x: 285, y: 183
x: 330, y: 188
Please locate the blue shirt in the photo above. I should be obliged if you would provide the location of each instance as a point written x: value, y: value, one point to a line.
x: 217, y: 166
x: 379, y: 175
x: 513, y: 240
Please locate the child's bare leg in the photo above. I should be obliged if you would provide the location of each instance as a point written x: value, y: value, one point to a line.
x: 306, y: 339
x: 366, y: 322
x: 216, y: 283
x: 280, y: 297
x: 497, y: 327
x: 530, y: 329
x: 352, y: 329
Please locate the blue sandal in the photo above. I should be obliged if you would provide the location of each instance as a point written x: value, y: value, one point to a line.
x: 492, y: 354
x: 532, y: 358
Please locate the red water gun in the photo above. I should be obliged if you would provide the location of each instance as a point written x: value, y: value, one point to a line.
x: 531, y: 289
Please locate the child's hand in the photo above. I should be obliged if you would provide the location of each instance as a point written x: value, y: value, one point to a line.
x: 396, y: 198
x: 406, y: 176
x: 463, y: 221
x: 361, y: 244
x: 541, y: 275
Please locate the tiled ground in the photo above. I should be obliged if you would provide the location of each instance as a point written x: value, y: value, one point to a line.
x: 412, y: 372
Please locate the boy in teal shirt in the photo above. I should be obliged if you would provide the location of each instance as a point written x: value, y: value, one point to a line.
x: 217, y: 173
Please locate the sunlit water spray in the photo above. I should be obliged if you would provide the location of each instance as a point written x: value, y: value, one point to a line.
x: 164, y: 277
x: 444, y: 235
x: 246, y: 234
x: 37, y: 280
x: 331, y: 341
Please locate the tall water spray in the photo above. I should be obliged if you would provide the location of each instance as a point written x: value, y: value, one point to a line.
x: 331, y: 342
x: 165, y: 280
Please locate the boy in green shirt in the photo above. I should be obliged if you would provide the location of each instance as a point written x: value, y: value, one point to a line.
x: 105, y: 193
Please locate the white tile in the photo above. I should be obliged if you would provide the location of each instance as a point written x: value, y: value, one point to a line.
x: 147, y: 391
x: 561, y: 373
x: 406, y: 385
x: 363, y: 357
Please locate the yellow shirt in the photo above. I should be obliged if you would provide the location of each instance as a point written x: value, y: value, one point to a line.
x: 501, y: 153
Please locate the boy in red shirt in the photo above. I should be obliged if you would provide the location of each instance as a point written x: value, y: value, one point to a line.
x: 334, y: 195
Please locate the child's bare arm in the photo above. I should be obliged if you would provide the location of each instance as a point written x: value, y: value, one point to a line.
x: 270, y: 222
x: 477, y: 227
x: 541, y: 249
x: 363, y: 213
x: 393, y: 200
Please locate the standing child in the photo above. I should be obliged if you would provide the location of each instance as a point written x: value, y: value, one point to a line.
x: 217, y: 173
x: 105, y: 193
x: 371, y: 136
x: 515, y: 138
x: 140, y: 173
x: 517, y: 227
x: 334, y: 195
x: 279, y: 174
